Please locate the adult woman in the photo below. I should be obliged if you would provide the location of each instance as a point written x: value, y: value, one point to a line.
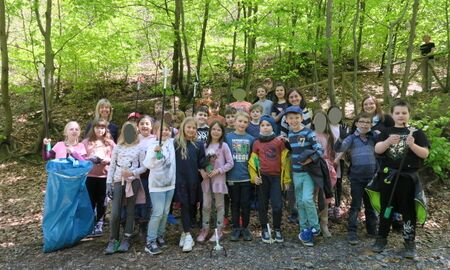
x: 380, y: 121
x: 295, y: 98
x: 104, y: 110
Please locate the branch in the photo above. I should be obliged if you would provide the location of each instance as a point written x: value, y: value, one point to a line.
x: 227, y: 10
x: 38, y: 17
x: 72, y: 37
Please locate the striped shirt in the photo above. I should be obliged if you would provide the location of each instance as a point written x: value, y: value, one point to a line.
x: 300, y: 141
x: 285, y: 129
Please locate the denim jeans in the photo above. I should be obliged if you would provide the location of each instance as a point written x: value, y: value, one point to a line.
x: 142, y: 211
x: 359, y: 195
x: 304, y: 193
x: 161, y: 206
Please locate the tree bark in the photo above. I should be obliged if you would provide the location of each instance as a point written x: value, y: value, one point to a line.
x: 5, y: 76
x: 177, y: 58
x: 447, y: 26
x: 183, y: 89
x: 331, y: 92
x: 233, y: 52
x: 409, y: 51
x: 362, y: 8
x: 251, y: 45
x: 355, y: 58
x: 203, y: 37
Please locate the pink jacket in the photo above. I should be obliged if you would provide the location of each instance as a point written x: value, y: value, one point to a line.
x: 223, y: 162
x: 104, y: 152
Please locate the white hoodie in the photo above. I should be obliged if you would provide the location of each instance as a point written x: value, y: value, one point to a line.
x: 162, y: 171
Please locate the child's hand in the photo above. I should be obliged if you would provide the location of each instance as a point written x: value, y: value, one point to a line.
x: 309, y: 160
x: 157, y: 148
x: 214, y: 173
x: 258, y: 180
x: 283, y: 138
x: 393, y: 139
x: 106, y: 161
x: 69, y: 150
x: 46, y: 141
x: 410, y: 140
x: 204, y: 174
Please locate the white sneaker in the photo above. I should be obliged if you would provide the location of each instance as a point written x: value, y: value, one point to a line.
x: 182, y: 238
x: 188, y: 243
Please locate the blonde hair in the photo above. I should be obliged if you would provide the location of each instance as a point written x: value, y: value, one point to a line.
x: 181, y: 141
x: 103, y: 102
x: 157, y: 127
x: 242, y: 114
x: 66, y: 128
x: 121, y: 139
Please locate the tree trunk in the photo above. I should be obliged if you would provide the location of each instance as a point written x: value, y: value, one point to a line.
x: 6, y: 137
x: 355, y: 59
x: 184, y: 90
x: 362, y: 8
x: 233, y: 52
x: 203, y: 37
x: 447, y: 26
x: 251, y: 45
x: 409, y: 51
x: 329, y: 16
x: 177, y: 61
x: 49, y: 64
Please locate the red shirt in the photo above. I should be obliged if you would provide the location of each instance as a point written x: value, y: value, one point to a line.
x: 269, y: 154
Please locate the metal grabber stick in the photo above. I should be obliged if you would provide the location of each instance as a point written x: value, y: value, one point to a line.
x: 44, y: 97
x: 165, y: 72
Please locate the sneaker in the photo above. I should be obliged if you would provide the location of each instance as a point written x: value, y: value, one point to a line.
x: 182, y: 238
x: 278, y: 236
x: 172, y: 220
x: 410, y: 249
x: 202, y: 235
x: 161, y: 242
x: 235, y: 234
x: 219, y: 234
x: 152, y: 248
x: 226, y: 222
x: 112, y: 247
x: 98, y: 230
x: 315, y: 232
x: 379, y: 245
x: 265, y: 237
x: 352, y: 238
x: 306, y: 237
x: 188, y: 243
x: 292, y: 219
x: 247, y: 235
x: 124, y: 244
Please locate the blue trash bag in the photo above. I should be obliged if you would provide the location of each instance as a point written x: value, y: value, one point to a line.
x: 68, y: 214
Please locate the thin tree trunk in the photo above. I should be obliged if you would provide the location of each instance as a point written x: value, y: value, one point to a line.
x: 183, y: 90
x: 203, y: 37
x: 409, y: 51
x: 362, y: 8
x: 6, y: 137
x: 251, y: 45
x: 233, y: 52
x: 355, y: 59
x: 447, y: 26
x: 331, y: 92
x: 177, y: 61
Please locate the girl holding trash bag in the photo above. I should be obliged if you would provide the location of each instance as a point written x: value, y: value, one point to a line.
x: 71, y: 146
x: 99, y: 147
x: 160, y: 159
x: 403, y: 149
x: 123, y: 184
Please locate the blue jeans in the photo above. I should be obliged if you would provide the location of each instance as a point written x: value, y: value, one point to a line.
x: 359, y: 195
x: 304, y: 193
x: 161, y: 205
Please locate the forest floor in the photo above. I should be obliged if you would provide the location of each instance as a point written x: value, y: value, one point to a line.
x: 22, y: 185
x: 22, y: 191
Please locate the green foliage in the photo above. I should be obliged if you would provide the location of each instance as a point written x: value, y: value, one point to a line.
x: 435, y: 125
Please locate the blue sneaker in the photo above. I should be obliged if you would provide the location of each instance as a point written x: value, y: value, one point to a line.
x: 172, y: 220
x: 306, y: 237
x: 315, y: 232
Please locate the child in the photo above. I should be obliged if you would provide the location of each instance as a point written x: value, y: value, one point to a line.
x: 145, y: 138
x: 175, y: 105
x: 202, y: 129
x: 363, y: 167
x: 104, y: 110
x: 161, y: 185
x: 206, y: 98
x: 279, y: 105
x: 158, y: 108
x: 238, y: 178
x: 270, y: 172
x: 190, y: 159
x: 401, y: 145
x: 188, y: 111
x: 123, y: 180
x: 268, y: 85
x: 266, y: 104
x: 230, y: 114
x: 303, y: 139
x: 214, y: 114
x: 326, y: 139
x: 220, y: 161
x: 99, y: 149
x: 178, y: 117
x: 255, y: 114
x: 69, y: 147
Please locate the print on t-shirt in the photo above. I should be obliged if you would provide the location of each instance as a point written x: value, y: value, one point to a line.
x: 241, y: 149
x: 397, y: 150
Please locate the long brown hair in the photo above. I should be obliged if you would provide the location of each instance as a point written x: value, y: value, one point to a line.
x: 378, y: 110
x: 96, y: 123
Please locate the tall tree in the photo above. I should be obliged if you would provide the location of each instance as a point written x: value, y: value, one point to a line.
x: 331, y: 92
x: 355, y: 58
x: 409, y: 52
x: 203, y: 37
x: 447, y: 28
x: 5, y: 76
x: 250, y: 34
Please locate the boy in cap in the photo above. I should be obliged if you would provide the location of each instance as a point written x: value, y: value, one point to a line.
x: 269, y: 170
x: 303, y: 141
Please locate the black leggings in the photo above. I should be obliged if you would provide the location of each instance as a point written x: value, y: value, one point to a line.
x: 97, y: 192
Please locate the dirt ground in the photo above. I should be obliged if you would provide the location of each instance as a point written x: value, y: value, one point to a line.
x: 22, y: 186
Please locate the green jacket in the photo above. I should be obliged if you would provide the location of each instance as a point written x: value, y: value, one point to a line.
x: 373, y: 191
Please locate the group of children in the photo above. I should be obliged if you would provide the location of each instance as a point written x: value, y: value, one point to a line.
x: 251, y: 153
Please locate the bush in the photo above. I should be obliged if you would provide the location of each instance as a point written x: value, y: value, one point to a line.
x: 434, y: 127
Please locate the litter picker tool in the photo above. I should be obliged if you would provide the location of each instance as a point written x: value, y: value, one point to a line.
x: 217, y: 247
x: 388, y: 210
x: 44, y: 97
x: 165, y: 74
x: 196, y: 83
x: 138, y: 88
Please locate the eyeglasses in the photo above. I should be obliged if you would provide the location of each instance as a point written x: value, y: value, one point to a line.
x: 365, y: 122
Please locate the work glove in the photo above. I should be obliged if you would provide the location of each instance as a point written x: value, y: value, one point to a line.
x: 343, y: 131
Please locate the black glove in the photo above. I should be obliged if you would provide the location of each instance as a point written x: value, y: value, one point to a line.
x: 95, y: 160
x: 343, y: 131
x: 110, y: 191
